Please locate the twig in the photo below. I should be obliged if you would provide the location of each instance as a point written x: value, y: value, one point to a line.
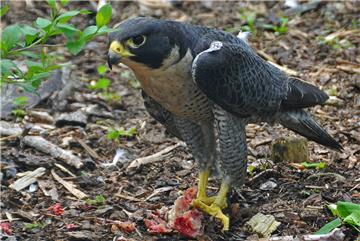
x: 10, y: 137
x: 154, y: 157
x: 355, y: 187
x: 64, y: 169
x: 261, y: 142
x: 47, y: 147
x: 69, y: 186
x: 158, y: 191
x: 89, y: 150
x: 28, y: 179
x: 337, y: 176
x: 350, y: 69
x: 128, y: 197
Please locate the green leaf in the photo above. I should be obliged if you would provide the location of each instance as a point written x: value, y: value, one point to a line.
x: 30, y: 33
x: 34, y: 225
x: 85, y: 11
x: 4, y: 10
x: 28, y: 30
x: 112, y: 134
x: 52, y: 4
x: 103, y: 16
x: 131, y: 132
x: 30, y: 54
x: 67, y: 29
x: 110, y: 96
x: 89, y: 32
x: 64, y: 2
x: 102, y: 83
x: 20, y: 101
x: 319, y: 165
x: 101, y: 69
x: 105, y: 29
x: 34, y: 66
x: 327, y: 228
x: 43, y: 23
x: 11, y: 36
x: 100, y: 199
x: 353, y: 220
x: 333, y: 209
x: 63, y: 18
x: 18, y: 113
x: 346, y: 208
x: 6, y: 66
x: 27, y: 87
x: 76, y: 46
x: 38, y: 78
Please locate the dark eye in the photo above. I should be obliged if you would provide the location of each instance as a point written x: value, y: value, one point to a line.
x: 138, y: 40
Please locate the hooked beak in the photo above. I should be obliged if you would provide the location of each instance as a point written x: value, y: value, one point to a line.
x: 113, y: 58
x: 116, y: 52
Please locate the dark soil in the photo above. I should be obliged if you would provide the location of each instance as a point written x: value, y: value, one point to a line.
x: 297, y: 201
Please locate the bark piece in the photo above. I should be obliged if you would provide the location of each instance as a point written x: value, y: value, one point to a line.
x: 290, y: 150
x: 9, y: 129
x: 77, y: 118
x: 28, y: 179
x: 47, y: 147
x: 263, y: 225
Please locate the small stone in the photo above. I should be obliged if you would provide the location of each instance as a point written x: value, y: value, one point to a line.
x: 41, y: 117
x: 82, y: 235
x: 106, y: 209
x: 325, y: 79
x: 357, y: 101
x: 334, y: 101
x: 290, y: 150
x: 269, y: 185
x: 77, y: 118
x: 33, y: 187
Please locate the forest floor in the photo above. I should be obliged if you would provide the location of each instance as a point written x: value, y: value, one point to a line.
x: 320, y: 45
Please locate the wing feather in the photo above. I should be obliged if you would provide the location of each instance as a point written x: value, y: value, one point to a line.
x: 238, y: 80
x: 301, y: 95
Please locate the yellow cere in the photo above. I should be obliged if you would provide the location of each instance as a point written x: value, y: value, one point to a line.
x: 119, y: 49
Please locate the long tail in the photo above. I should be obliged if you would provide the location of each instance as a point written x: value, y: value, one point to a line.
x: 304, y: 124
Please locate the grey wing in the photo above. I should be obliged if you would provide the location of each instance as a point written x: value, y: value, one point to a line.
x: 233, y: 76
x: 198, y: 137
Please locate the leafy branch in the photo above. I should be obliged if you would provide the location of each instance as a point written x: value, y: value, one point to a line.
x: 29, y: 42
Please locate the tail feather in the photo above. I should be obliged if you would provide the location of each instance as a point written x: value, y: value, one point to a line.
x: 304, y: 124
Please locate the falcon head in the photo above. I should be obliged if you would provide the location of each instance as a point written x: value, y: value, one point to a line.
x: 143, y: 42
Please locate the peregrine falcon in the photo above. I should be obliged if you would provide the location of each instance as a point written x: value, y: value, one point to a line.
x: 205, y: 84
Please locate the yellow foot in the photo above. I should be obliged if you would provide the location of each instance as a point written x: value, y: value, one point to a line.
x: 215, y: 211
x: 204, y: 200
x: 217, y: 204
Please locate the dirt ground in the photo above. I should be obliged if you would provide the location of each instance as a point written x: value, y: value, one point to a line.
x: 299, y: 196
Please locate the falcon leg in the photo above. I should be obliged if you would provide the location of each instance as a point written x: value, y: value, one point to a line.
x: 200, y: 138
x: 215, y: 209
x: 233, y: 153
x: 201, y: 197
